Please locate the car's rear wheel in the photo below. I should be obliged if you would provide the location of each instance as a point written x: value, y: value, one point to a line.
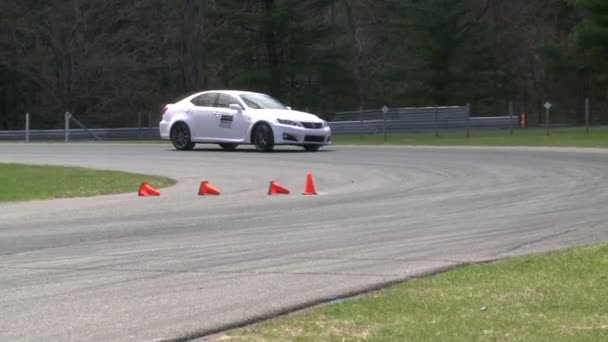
x: 263, y: 138
x: 312, y: 148
x: 229, y: 147
x: 181, y: 138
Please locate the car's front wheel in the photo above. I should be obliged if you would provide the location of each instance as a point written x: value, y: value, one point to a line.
x: 229, y: 147
x: 263, y: 138
x: 181, y: 138
x: 312, y: 148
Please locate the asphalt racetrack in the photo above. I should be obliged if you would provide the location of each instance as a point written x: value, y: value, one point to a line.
x: 125, y: 268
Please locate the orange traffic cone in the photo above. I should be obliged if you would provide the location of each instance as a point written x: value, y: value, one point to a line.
x: 146, y: 190
x: 277, y: 189
x: 207, y: 189
x: 309, y: 189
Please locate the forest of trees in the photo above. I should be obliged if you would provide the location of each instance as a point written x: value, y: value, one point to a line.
x: 105, y: 60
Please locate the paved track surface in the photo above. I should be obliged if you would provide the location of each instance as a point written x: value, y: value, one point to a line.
x: 124, y: 268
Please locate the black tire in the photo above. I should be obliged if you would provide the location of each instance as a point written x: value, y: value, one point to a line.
x: 229, y: 147
x: 263, y: 138
x: 181, y: 138
x: 312, y: 148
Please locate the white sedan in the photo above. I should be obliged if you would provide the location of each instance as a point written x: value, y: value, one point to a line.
x: 232, y: 118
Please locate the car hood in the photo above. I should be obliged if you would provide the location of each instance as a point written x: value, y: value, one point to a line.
x: 271, y: 114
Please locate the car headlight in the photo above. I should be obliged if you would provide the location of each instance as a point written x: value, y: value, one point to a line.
x: 325, y: 125
x: 289, y: 122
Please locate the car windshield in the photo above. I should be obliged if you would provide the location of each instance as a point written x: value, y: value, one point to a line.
x: 261, y: 101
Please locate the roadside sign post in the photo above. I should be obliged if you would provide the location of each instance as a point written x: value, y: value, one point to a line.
x: 548, y: 106
x: 384, y: 111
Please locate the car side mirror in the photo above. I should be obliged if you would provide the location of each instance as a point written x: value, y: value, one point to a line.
x: 288, y: 108
x: 236, y: 107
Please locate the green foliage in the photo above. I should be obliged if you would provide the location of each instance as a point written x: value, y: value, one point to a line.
x: 593, y: 31
x: 445, y: 51
x: 592, y: 34
x: 284, y: 47
x: 106, y: 60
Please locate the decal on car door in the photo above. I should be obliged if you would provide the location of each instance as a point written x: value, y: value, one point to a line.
x: 226, y: 121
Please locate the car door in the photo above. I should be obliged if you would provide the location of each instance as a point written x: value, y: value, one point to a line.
x: 201, y: 113
x: 231, y: 124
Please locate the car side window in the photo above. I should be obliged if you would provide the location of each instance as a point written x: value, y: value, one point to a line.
x: 226, y: 100
x: 205, y: 100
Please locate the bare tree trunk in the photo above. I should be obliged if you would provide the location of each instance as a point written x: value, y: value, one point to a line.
x: 356, y: 50
x: 163, y: 39
x: 7, y: 102
x: 272, y: 48
x: 64, y: 23
x: 192, y: 54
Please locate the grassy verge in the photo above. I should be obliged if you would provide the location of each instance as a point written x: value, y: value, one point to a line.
x: 562, y: 137
x: 566, y: 137
x: 556, y: 297
x: 89, y: 141
x: 27, y: 182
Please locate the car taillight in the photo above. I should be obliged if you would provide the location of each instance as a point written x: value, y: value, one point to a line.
x: 165, y: 109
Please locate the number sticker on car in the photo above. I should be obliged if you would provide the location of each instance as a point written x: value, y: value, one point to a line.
x: 226, y: 121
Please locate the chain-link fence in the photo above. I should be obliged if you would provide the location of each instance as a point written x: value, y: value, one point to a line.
x: 381, y: 121
x: 68, y: 126
x: 466, y: 120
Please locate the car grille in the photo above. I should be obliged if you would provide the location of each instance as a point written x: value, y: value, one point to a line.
x: 313, y: 125
x: 314, y: 138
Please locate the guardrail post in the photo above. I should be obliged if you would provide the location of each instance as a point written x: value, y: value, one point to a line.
x: 547, y: 120
x: 587, y: 115
x: 468, y: 123
x: 384, y: 125
x: 67, y: 126
x: 27, y: 127
x: 139, y: 118
x: 436, y: 121
x: 360, y: 122
x: 511, y: 117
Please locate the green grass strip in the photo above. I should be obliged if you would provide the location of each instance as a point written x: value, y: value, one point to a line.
x: 563, y: 137
x: 556, y: 297
x: 560, y: 137
x: 28, y: 182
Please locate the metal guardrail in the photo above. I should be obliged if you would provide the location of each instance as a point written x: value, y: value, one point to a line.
x: 404, y: 126
x: 148, y: 133
x: 338, y: 128
x: 396, y: 120
x: 413, y: 114
x: 412, y: 120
